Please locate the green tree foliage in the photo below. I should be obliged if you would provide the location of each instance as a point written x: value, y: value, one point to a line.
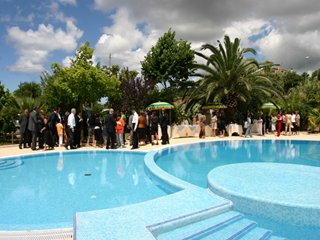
x: 228, y: 77
x: 168, y: 63
x: 314, y: 119
x: 316, y: 74
x: 28, y: 89
x: 6, y: 121
x: 82, y: 82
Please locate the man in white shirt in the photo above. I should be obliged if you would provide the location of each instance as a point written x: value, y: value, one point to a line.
x: 135, y: 122
x: 70, y: 128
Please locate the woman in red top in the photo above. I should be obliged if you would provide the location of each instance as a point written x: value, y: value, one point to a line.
x: 279, y: 121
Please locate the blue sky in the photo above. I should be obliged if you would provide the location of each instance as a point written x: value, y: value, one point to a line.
x: 36, y: 33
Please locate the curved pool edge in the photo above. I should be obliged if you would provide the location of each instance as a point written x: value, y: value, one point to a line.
x: 280, y: 211
x: 163, y: 176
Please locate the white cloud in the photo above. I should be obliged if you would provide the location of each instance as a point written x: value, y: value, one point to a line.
x: 72, y: 2
x: 290, y: 26
x: 5, y: 18
x: 34, y: 47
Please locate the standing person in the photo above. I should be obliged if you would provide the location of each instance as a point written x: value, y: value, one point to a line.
x: 273, y: 122
x: 71, y: 125
x: 260, y: 126
x: 45, y: 131
x: 164, y: 127
x: 85, y: 125
x: 135, y: 122
x: 65, y: 126
x: 154, y: 128
x: 214, y: 124
x: 91, y: 133
x: 293, y: 121
x: 263, y: 120
x: 283, y: 124
x: 222, y: 125
x: 142, y: 129
x: 241, y: 120
x: 33, y: 126
x: 124, y: 117
x: 40, y: 126
x: 288, y: 123
x: 120, y: 128
x: 111, y: 128
x: 202, y: 123
x: 131, y: 129
x: 52, y: 121
x: 59, y: 120
x: 298, y: 122
x: 279, y: 123
x: 78, y: 128
x: 268, y: 123
x: 148, y: 125
x: 248, y: 131
x: 98, y: 130
x: 23, y: 121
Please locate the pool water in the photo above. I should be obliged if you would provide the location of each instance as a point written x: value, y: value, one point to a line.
x: 43, y: 191
x: 193, y: 162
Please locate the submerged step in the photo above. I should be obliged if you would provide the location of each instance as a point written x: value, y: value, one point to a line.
x: 181, y: 221
x: 232, y: 231
x: 201, y: 227
x: 257, y: 234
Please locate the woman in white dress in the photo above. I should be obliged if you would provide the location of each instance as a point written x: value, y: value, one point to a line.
x: 260, y: 121
x: 214, y: 124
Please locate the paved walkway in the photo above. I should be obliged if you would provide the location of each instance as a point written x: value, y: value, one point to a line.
x: 10, y: 150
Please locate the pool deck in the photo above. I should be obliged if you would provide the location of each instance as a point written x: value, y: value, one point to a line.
x: 9, y: 150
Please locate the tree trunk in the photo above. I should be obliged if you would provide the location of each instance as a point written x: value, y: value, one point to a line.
x: 229, y: 114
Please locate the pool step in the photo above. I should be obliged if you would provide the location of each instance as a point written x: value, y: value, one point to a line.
x: 209, y: 224
x: 229, y: 225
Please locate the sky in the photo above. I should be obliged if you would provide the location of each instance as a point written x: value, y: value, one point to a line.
x: 36, y: 33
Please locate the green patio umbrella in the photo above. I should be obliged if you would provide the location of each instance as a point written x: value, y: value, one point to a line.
x: 269, y: 106
x: 214, y: 106
x: 159, y: 106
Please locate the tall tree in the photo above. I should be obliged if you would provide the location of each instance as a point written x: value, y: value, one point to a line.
x: 135, y: 92
x: 82, y: 82
x: 168, y: 63
x: 6, y: 121
x: 28, y: 89
x: 316, y: 74
x: 229, y: 77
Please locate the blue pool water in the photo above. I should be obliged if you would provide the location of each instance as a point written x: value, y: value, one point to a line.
x: 193, y: 162
x: 43, y: 191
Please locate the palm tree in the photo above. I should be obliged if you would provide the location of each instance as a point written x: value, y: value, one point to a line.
x: 314, y: 119
x: 229, y: 77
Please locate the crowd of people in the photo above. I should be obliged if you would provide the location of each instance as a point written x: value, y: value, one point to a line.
x: 54, y: 130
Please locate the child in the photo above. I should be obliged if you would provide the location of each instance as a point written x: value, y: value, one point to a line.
x: 60, y: 133
x: 120, y: 128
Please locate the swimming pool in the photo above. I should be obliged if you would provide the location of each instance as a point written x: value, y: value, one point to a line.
x: 193, y: 162
x: 43, y: 191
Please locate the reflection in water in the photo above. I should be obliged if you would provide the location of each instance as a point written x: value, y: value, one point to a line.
x: 60, y: 162
x: 72, y: 177
x: 103, y: 175
x: 193, y: 162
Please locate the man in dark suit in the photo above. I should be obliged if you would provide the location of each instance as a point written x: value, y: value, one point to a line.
x: 111, y: 128
x: 148, y: 125
x: 164, y: 127
x: 263, y: 120
x: 241, y: 120
x: 23, y: 121
x: 33, y: 126
x: 53, y: 119
x: 40, y: 126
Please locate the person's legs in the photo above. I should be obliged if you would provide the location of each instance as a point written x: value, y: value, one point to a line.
x: 108, y: 140
x: 121, y: 140
x: 113, y: 136
x: 34, y: 140
x: 60, y: 140
x: 131, y: 137
x: 22, y: 136
x: 70, y: 138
